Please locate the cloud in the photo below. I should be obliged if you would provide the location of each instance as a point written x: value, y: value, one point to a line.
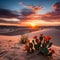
x: 21, y: 3
x: 5, y: 13
x: 10, y: 19
x: 54, y: 15
x: 56, y: 6
x: 34, y: 8
x: 8, y: 16
x: 29, y: 12
x: 26, y: 12
x: 4, y: 21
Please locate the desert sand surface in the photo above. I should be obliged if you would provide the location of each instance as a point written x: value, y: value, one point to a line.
x: 10, y: 49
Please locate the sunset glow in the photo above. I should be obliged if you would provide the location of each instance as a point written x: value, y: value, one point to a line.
x: 35, y: 23
x: 24, y: 13
x: 10, y: 19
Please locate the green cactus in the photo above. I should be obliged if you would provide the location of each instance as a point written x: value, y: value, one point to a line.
x: 30, y: 45
x: 41, y: 38
x: 46, y: 51
x: 36, y: 46
x: 50, y: 44
x: 43, y: 45
x: 47, y: 43
x: 33, y: 42
x: 36, y: 40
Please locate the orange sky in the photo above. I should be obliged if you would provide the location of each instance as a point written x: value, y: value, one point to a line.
x: 31, y: 23
x: 30, y: 15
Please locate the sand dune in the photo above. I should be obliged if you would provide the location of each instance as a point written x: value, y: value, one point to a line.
x: 55, y: 33
x: 11, y: 50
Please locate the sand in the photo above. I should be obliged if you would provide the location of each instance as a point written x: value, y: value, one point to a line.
x: 11, y: 50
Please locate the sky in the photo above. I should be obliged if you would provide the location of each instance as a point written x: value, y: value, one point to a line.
x: 30, y: 12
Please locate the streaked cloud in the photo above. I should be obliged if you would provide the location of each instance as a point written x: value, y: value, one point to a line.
x: 5, y: 13
x: 8, y: 16
x: 10, y: 19
x: 29, y: 13
x: 39, y: 23
x: 21, y: 3
x: 34, y: 8
x: 54, y: 15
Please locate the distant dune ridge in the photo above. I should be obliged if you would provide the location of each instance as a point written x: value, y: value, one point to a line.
x: 19, y: 30
x: 55, y: 33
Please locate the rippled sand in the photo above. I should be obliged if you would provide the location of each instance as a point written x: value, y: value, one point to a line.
x: 11, y: 50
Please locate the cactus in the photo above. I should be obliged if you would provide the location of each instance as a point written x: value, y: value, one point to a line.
x: 50, y: 44
x: 31, y: 45
x: 41, y: 38
x: 42, y: 45
x: 46, y: 51
x: 36, y: 46
x: 33, y: 42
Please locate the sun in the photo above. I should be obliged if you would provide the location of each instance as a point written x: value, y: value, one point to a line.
x: 32, y: 24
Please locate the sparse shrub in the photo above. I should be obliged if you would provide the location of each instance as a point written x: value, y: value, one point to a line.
x: 23, y: 39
